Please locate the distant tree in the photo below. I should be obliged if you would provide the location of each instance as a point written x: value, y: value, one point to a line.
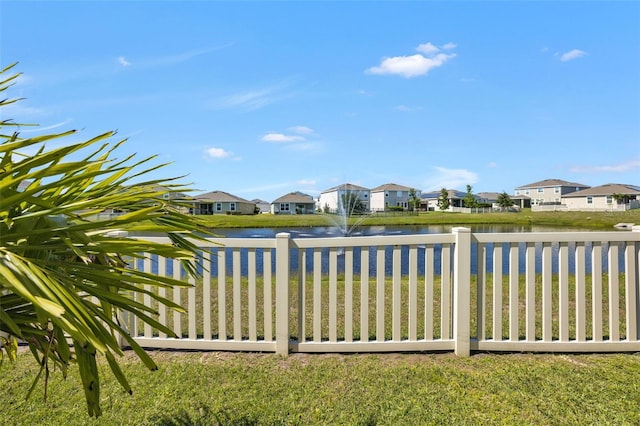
x: 504, y: 200
x: 414, y: 200
x: 469, y: 200
x: 351, y: 203
x: 443, y: 199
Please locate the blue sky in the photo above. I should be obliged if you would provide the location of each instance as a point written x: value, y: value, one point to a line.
x: 263, y: 98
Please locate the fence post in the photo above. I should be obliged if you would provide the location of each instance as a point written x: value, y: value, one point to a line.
x: 461, y: 291
x: 282, y: 293
x: 632, y: 278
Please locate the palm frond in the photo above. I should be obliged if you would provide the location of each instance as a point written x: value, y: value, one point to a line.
x: 64, y: 274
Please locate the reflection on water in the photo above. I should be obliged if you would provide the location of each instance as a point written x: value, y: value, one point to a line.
x: 330, y: 231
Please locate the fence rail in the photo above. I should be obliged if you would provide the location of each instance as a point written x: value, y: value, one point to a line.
x: 462, y: 292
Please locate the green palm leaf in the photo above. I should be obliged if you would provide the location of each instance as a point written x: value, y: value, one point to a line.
x: 64, y: 275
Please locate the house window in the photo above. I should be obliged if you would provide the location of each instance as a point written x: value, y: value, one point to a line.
x: 540, y: 190
x: 284, y: 207
x: 589, y: 200
x: 399, y: 194
x: 526, y: 192
x: 517, y: 192
x: 365, y: 195
x: 609, y: 199
x: 218, y: 207
x: 386, y: 193
x: 556, y: 189
x: 232, y: 207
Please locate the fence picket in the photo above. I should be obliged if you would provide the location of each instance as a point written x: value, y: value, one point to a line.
x: 348, y: 295
x: 581, y: 304
x: 396, y: 296
x: 364, y: 294
x: 614, y: 294
x: 497, y: 292
x: 596, y: 290
x: 222, y: 294
x: 513, y: 292
x: 429, y: 273
x: 530, y: 294
x: 547, y: 292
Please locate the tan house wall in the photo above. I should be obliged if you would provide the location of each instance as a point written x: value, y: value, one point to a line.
x: 595, y: 202
x: 542, y: 195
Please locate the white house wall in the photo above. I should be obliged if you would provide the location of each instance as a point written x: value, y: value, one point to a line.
x: 330, y: 199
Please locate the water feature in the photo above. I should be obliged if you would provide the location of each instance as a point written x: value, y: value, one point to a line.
x: 350, y: 210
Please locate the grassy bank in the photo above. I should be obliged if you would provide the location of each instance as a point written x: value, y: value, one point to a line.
x: 598, y: 220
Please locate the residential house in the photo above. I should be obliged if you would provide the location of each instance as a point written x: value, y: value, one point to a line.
x: 262, y: 206
x: 488, y: 199
x: 332, y: 198
x: 294, y: 203
x: 391, y: 195
x: 220, y: 202
x: 429, y: 200
x: 609, y: 197
x: 549, y: 191
x: 491, y: 199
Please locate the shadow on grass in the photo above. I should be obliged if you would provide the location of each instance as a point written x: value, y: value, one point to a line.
x: 201, y: 417
x: 204, y: 416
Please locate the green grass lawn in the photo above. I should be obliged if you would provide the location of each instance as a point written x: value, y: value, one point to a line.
x: 246, y: 389
x: 601, y: 220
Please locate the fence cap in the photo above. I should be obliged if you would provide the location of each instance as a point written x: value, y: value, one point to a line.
x: 460, y: 229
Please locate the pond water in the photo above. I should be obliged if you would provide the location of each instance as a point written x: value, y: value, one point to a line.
x: 329, y: 231
x: 316, y: 232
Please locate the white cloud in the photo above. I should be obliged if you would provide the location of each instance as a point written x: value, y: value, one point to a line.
x: 449, y: 46
x: 122, y: 61
x: 414, y: 65
x: 252, y: 99
x: 281, y: 137
x: 303, y: 130
x: 615, y: 168
x: 450, y: 178
x: 218, y: 153
x: 249, y: 100
x: 306, y: 182
x: 492, y: 165
x: 573, y: 54
x: 304, y: 147
x: 428, y: 48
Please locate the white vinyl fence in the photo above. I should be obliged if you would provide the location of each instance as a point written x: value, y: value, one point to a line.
x: 462, y: 292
